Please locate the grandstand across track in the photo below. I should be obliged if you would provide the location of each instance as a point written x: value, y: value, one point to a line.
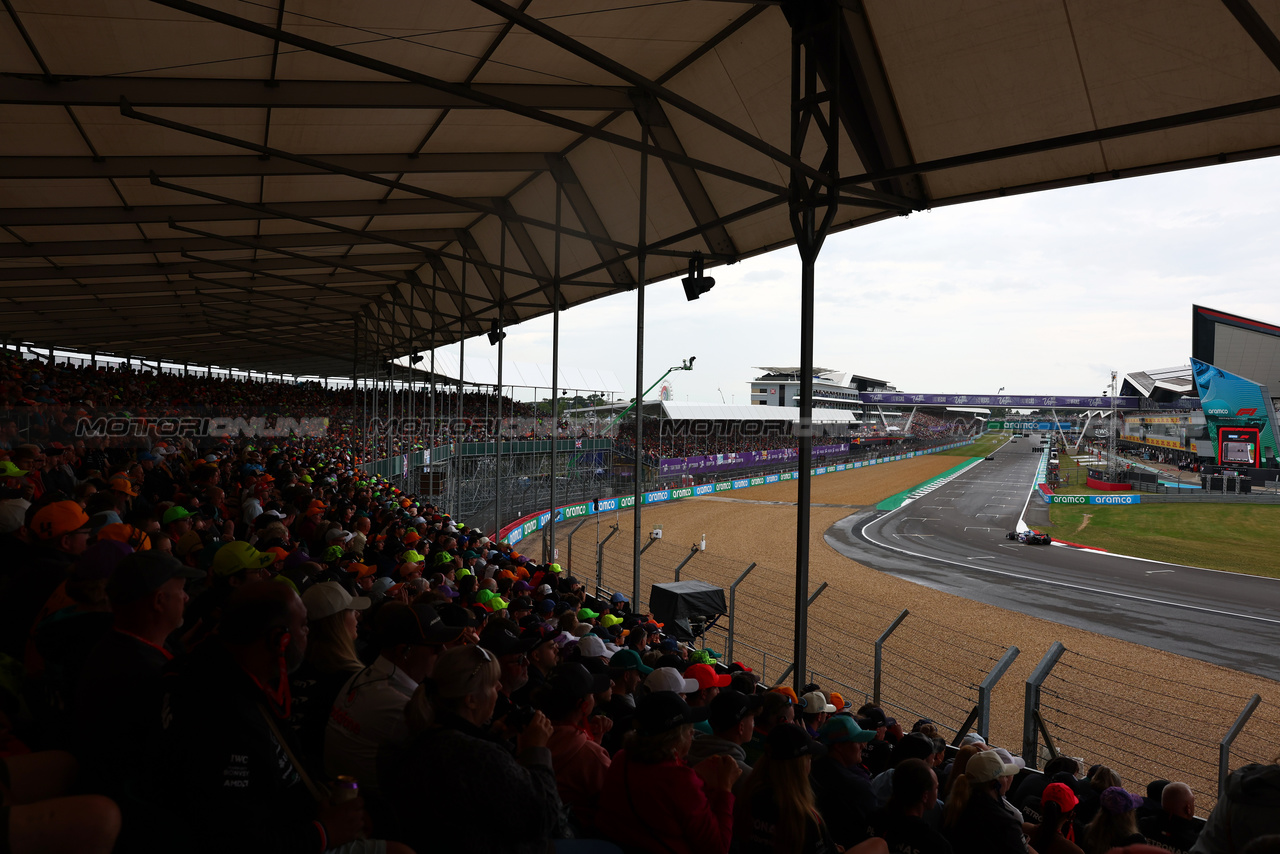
x: 953, y: 540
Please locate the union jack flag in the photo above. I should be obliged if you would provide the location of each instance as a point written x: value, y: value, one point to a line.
x: 577, y: 443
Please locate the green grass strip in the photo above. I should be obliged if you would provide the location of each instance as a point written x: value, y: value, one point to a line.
x: 1230, y: 537
x: 893, y: 502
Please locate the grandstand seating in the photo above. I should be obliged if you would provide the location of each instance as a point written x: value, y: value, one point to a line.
x: 78, y: 519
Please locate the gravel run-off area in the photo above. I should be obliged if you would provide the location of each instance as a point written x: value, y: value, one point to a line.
x: 1145, y: 712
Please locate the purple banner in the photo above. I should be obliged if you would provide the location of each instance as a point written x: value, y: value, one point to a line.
x: 741, y: 460
x: 1019, y: 401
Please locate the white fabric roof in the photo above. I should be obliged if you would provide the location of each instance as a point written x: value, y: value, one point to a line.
x: 739, y: 412
x: 397, y: 183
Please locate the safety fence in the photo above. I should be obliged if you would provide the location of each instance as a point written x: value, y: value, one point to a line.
x: 1145, y: 723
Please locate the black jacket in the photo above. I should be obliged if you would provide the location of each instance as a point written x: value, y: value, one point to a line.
x: 227, y: 778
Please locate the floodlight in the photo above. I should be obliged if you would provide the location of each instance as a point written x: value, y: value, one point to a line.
x: 496, y: 332
x: 696, y: 284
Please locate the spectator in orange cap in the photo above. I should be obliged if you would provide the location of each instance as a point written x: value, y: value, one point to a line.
x: 60, y: 532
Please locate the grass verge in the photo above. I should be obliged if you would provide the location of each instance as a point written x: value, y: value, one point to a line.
x: 1229, y: 537
x: 984, y: 445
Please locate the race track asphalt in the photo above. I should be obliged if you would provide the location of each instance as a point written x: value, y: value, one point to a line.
x: 953, y: 539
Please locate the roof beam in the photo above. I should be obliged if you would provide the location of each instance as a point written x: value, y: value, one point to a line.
x: 71, y: 248
x: 867, y: 108
x: 321, y: 284
x: 207, y: 166
x: 567, y: 181
x: 294, y: 94
x: 480, y: 207
x: 1177, y: 120
x: 465, y: 91
x: 654, y: 120
x: 202, y: 265
x: 1256, y: 27
x: 112, y: 215
x: 382, y: 237
x: 524, y: 242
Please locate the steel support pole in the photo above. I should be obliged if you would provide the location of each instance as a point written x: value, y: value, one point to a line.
x: 600, y: 559
x: 733, y: 601
x: 1031, y: 706
x: 812, y: 109
x: 554, y: 371
x: 569, y: 560
x: 987, y: 686
x: 497, y: 438
x: 1224, y: 746
x: 884, y: 636
x: 693, y: 551
x: 638, y: 487
x: 455, y: 458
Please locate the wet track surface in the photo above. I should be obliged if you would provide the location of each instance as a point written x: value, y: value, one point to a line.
x: 953, y: 539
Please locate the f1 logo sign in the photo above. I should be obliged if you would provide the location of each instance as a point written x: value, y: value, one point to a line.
x: 1246, y: 412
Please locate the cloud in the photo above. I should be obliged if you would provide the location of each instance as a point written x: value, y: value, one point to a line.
x: 1041, y: 293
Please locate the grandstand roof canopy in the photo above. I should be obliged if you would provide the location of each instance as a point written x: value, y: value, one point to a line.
x: 483, y: 371
x: 303, y: 187
x: 741, y: 412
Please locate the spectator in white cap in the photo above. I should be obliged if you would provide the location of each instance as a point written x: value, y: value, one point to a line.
x: 976, y: 821
x: 814, y: 711
x: 333, y: 617
x: 669, y: 679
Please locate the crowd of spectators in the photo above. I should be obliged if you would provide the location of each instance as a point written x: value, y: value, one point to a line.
x: 251, y: 650
x: 252, y: 647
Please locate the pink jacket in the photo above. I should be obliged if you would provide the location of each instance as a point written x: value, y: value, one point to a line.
x: 580, y: 765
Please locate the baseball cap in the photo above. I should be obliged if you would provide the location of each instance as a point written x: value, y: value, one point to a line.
x: 815, y: 702
x: 122, y: 533
x: 837, y: 700
x: 99, y: 560
x: 917, y: 745
x: 664, y: 710
x: 592, y: 646
x: 500, y: 640
x: 123, y: 484
x: 8, y: 469
x: 669, y: 679
x: 58, y: 518
x: 874, y: 718
x: 629, y: 659
x: 412, y: 556
x: 572, y: 679
x: 1115, y: 800
x: 328, y: 598
x: 238, y: 556
x: 189, y: 542
x: 142, y: 573
x: 1010, y: 759
x: 843, y: 728
x: 609, y: 621
x: 175, y: 514
x: 619, y: 597
x: 1060, y: 794
x: 729, y: 707
x: 398, y: 623
x: 587, y: 614
x: 706, y: 677
x: 987, y: 766
x: 790, y: 741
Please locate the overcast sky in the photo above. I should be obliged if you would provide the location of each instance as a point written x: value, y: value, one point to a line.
x: 1043, y: 293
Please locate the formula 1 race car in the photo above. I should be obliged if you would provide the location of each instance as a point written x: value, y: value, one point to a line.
x: 1031, y: 538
